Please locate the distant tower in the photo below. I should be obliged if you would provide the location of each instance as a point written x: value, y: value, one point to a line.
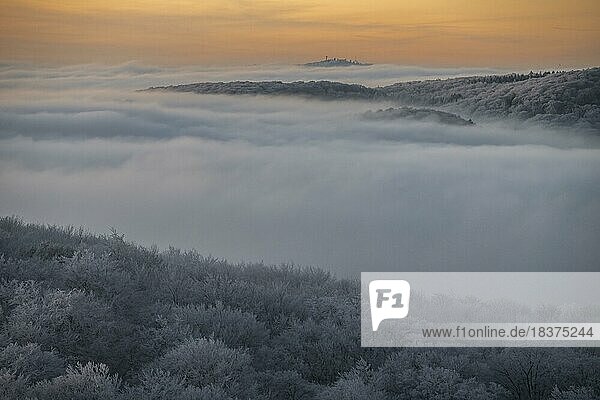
x: 325, y: 58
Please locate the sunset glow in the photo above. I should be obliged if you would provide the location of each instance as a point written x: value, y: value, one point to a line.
x: 441, y: 33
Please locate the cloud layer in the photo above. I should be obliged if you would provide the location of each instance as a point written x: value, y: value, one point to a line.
x: 287, y: 180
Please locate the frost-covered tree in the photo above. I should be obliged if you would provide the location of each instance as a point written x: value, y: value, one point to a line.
x: 574, y: 393
x: 205, y: 362
x: 32, y: 362
x: 80, y: 382
x: 159, y: 385
x: 112, y: 320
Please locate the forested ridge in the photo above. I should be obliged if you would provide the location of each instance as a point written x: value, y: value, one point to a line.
x: 86, y: 316
x: 565, y: 98
x: 558, y: 99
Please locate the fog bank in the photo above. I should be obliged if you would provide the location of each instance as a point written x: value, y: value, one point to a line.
x: 290, y: 180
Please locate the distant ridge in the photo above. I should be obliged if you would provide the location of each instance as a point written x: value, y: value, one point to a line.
x: 312, y: 89
x: 417, y: 114
x: 560, y: 99
x: 335, y: 62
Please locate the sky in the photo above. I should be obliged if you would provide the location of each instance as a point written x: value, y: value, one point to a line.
x: 474, y: 33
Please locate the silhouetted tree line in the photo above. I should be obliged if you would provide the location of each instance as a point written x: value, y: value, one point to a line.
x: 96, y: 317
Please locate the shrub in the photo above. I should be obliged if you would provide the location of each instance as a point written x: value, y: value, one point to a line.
x: 233, y: 327
x: 81, y: 382
x: 574, y: 393
x: 159, y: 385
x: 12, y: 386
x: 73, y: 322
x: 32, y: 362
x: 356, y: 384
x: 205, y: 362
x: 533, y: 373
x: 325, y: 349
x: 404, y: 376
x: 286, y: 385
x: 351, y: 389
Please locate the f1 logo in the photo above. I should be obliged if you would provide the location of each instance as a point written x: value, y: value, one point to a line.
x: 389, y: 299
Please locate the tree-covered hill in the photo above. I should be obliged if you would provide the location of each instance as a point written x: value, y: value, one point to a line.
x: 96, y: 317
x: 570, y: 99
x: 563, y: 99
x: 326, y: 90
x: 417, y: 114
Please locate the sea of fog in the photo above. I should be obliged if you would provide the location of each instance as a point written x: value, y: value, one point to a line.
x: 285, y: 180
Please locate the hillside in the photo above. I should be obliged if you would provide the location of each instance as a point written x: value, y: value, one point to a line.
x: 563, y: 98
x: 311, y: 89
x: 560, y: 99
x: 96, y: 317
x: 417, y: 114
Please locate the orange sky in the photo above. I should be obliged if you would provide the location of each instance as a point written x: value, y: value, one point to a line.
x: 510, y: 33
